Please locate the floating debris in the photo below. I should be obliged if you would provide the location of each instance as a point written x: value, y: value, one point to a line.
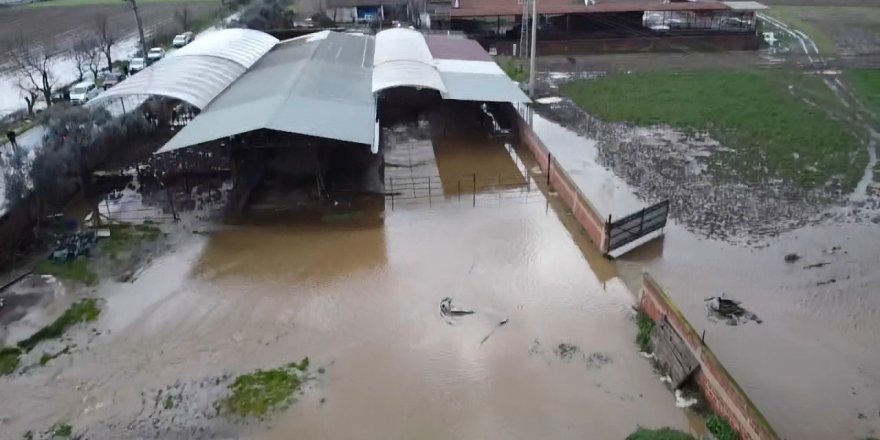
x: 791, y: 258
x: 730, y: 310
x: 500, y: 323
x: 447, y: 309
x: 682, y: 400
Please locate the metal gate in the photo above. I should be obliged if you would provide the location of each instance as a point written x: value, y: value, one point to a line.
x: 635, y: 226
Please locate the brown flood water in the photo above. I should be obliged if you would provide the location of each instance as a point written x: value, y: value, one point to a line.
x: 813, y: 365
x: 360, y: 297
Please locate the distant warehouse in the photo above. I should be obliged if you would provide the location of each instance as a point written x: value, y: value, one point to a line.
x: 573, y: 26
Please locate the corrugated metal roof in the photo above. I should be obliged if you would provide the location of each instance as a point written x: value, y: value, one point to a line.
x: 316, y: 85
x: 470, y: 74
x: 198, y: 72
x: 242, y: 46
x: 403, y: 60
x: 746, y: 6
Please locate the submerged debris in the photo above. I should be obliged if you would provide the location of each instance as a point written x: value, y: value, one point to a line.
x: 791, y: 258
x: 730, y: 310
x: 500, y: 323
x: 447, y: 309
x: 566, y: 351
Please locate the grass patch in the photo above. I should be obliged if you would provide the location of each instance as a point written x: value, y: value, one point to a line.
x: 83, y: 311
x: 514, y: 68
x: 76, y: 270
x: 801, y: 18
x: 62, y: 430
x: 264, y: 391
x: 75, y: 3
x: 866, y: 85
x: 169, y: 402
x: 124, y: 237
x: 659, y: 434
x: 720, y: 428
x: 770, y: 131
x: 9, y: 359
x: 643, y: 337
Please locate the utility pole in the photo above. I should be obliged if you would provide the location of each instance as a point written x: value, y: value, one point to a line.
x: 532, y: 47
x: 137, y: 17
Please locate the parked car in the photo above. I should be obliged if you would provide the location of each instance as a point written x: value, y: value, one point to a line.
x: 136, y: 65
x: 111, y: 79
x: 81, y: 93
x: 155, y: 54
x: 183, y: 39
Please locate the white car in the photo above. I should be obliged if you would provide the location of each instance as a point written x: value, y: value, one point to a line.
x: 183, y: 39
x: 155, y: 54
x: 136, y: 65
x: 81, y: 93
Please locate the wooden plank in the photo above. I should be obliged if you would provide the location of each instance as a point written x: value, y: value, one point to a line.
x: 671, y: 352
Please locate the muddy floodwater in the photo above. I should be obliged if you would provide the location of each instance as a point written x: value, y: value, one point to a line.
x: 360, y: 295
x: 813, y: 365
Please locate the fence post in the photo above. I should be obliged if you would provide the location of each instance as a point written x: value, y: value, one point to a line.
x: 171, y: 203
x: 607, y: 239
x: 549, y: 165
x: 475, y: 189
x: 391, y: 180
x: 459, y: 189
x: 429, y: 191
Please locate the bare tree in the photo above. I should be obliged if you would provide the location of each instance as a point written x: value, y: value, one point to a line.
x: 182, y: 17
x: 105, y: 36
x: 30, y: 95
x: 80, y: 52
x: 93, y: 60
x: 33, y: 66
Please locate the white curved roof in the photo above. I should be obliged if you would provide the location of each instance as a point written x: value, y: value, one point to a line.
x: 200, y: 71
x: 402, y: 59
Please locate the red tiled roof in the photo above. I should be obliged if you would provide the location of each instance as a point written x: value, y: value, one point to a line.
x: 486, y: 8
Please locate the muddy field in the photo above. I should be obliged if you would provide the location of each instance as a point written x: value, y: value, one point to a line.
x: 61, y: 26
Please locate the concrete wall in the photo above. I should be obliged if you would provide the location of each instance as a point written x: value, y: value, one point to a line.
x: 724, y: 395
x: 587, y: 216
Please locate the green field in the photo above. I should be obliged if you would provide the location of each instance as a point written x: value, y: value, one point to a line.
x: 799, y: 17
x: 866, y: 85
x: 71, y: 3
x: 762, y: 117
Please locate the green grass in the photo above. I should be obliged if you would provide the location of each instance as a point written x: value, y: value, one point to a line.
x: 643, y: 337
x: 514, y: 68
x: 62, y: 430
x: 720, y: 428
x: 798, y: 17
x: 264, y: 391
x: 124, y: 237
x: 760, y: 115
x: 9, y: 359
x: 169, y: 402
x: 659, y: 434
x: 76, y: 270
x: 83, y: 311
x: 866, y: 85
x: 75, y: 3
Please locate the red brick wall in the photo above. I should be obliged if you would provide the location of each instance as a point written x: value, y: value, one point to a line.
x: 580, y: 206
x: 723, y: 394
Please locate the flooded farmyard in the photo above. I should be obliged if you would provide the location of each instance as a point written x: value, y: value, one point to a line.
x: 548, y: 351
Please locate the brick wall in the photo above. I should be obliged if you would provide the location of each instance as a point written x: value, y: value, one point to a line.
x: 722, y: 392
x: 586, y: 215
